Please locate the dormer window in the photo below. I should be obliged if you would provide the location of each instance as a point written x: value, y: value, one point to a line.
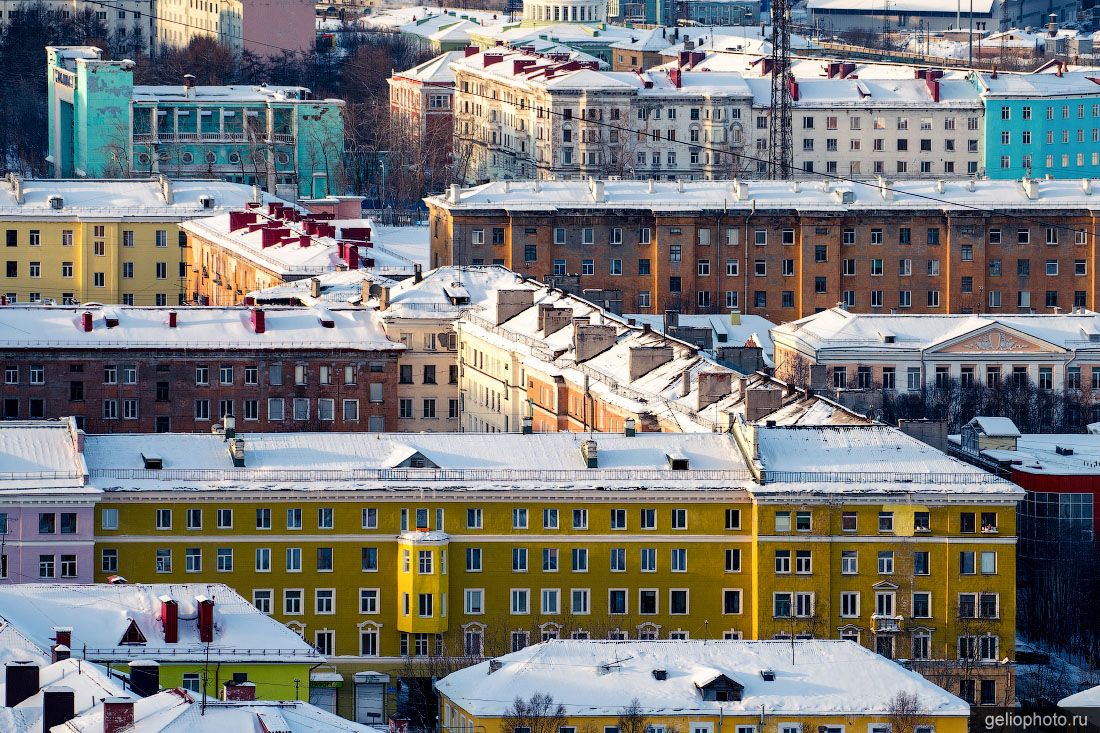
x: 132, y: 635
x: 721, y: 688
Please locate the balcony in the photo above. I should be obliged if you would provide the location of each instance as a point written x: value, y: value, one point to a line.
x: 881, y: 624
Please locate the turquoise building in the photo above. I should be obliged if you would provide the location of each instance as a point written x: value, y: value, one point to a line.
x: 1040, y: 125
x: 103, y: 126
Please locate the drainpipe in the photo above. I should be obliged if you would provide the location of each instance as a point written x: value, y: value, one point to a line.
x: 745, y: 275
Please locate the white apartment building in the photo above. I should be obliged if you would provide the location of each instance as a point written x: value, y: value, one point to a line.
x: 910, y: 352
x: 521, y: 115
x: 130, y: 17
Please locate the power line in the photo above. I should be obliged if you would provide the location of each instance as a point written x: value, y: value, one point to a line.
x: 789, y: 168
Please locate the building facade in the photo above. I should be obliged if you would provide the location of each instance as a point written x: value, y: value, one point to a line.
x: 102, y: 125
x: 435, y: 559
x: 75, y: 241
x: 785, y: 250
x: 261, y: 27
x: 158, y: 370
x: 128, y: 22
x: 911, y: 353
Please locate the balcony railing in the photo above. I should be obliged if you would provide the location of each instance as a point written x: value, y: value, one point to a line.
x: 881, y: 624
x: 166, y: 136
x: 720, y: 476
x: 200, y: 650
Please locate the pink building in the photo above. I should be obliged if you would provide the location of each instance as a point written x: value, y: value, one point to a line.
x: 46, y: 507
x: 421, y: 99
x: 262, y: 27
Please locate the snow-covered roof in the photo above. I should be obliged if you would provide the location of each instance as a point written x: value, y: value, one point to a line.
x: 1055, y: 454
x: 1038, y: 86
x: 750, y: 331
x: 435, y: 296
x: 660, y: 38
x: 176, y: 711
x: 209, y: 327
x: 598, y: 678
x: 996, y: 427
x: 858, y: 458
x: 347, y: 286
x: 38, y: 456
x: 101, y: 614
x: 121, y: 200
x: 297, y: 251
x: 227, y: 94
x: 433, y: 71
x: 836, y: 329
x: 89, y: 683
x: 870, y: 94
x: 760, y: 195
x: 1089, y: 698
x: 913, y: 7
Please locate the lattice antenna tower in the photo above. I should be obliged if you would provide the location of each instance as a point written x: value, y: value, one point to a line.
x: 780, y: 152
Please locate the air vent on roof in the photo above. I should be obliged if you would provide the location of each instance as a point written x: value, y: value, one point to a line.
x: 677, y: 461
x: 767, y: 675
x: 1062, y: 451
x: 660, y: 674
x: 495, y: 665
x: 1094, y: 337
x: 57, y: 203
x: 152, y: 461
x: 889, y: 339
x: 206, y: 202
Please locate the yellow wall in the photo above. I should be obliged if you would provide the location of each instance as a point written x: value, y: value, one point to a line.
x: 88, y: 238
x: 705, y: 540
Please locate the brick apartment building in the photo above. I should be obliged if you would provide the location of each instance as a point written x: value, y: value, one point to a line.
x: 128, y: 370
x: 784, y: 250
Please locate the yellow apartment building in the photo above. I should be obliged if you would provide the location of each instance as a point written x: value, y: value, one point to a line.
x: 104, y: 241
x: 696, y: 686
x: 400, y: 553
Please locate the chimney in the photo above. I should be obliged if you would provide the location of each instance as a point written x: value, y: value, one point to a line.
x: 236, y: 452
x: 590, y: 339
x: 510, y: 303
x: 993, y: 75
x: 644, y: 359
x: 173, y: 319
x: 20, y: 682
x: 241, y: 219
x: 239, y: 691
x: 526, y: 428
x: 206, y: 619
x: 674, y: 76
x: 552, y: 319
x: 418, y: 273
x: 735, y: 317
x: 188, y: 81
x: 58, y: 706
x: 60, y: 652
x: 818, y: 372
x: 1031, y: 188
x: 794, y: 89
x: 470, y: 51
x: 145, y: 677
x: 85, y: 323
x: 933, y: 88
x: 383, y: 298
x: 1052, y: 26
x: 258, y: 324
x: 713, y: 386
x: 118, y: 714
x: 672, y: 320
x: 16, y: 187
x: 166, y: 189
x: 761, y: 401
x: 630, y: 427
x: 229, y: 426
x: 170, y: 619
x: 353, y: 257
x: 314, y: 288
x: 489, y: 59
x: 63, y: 635
x: 589, y: 454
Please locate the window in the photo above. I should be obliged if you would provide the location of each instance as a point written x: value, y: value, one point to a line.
x: 678, y: 563
x: 782, y: 521
x: 678, y: 601
x: 580, y: 559
x: 618, y: 519
x: 885, y: 562
x: 849, y: 562
x: 225, y: 559
x: 580, y: 519
x: 648, y: 562
x: 782, y: 562
x: 679, y: 518
x: 520, y: 597
x: 733, y: 560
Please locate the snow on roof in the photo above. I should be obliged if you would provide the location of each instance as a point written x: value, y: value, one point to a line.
x: 116, y: 200
x: 827, y: 678
x: 873, y: 93
x: 797, y: 459
x: 210, y: 327
x: 837, y: 329
x: 176, y: 711
x: 347, y: 286
x: 1039, y: 85
x: 1089, y: 698
x: 100, y: 614
x: 39, y: 455
x: 747, y: 195
x: 227, y: 94
x: 407, y: 242
x: 751, y: 331
x: 433, y: 71
x: 915, y: 7
x: 660, y: 38
x: 432, y: 296
x: 89, y: 683
x: 996, y: 427
x: 1055, y: 454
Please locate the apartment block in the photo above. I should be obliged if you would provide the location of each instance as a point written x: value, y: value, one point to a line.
x: 102, y: 125
x: 257, y: 247
x: 123, y: 369
x: 131, y: 20
x: 73, y: 241
x: 785, y: 250
x: 261, y: 27
x: 414, y: 545
x: 911, y: 353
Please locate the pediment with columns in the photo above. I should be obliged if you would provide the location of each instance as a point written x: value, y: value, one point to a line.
x: 996, y: 339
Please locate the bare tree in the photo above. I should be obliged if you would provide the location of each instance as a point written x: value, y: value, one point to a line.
x: 632, y: 718
x: 537, y: 714
x: 905, y: 712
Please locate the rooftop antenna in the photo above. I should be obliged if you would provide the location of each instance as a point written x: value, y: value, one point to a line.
x: 780, y: 153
